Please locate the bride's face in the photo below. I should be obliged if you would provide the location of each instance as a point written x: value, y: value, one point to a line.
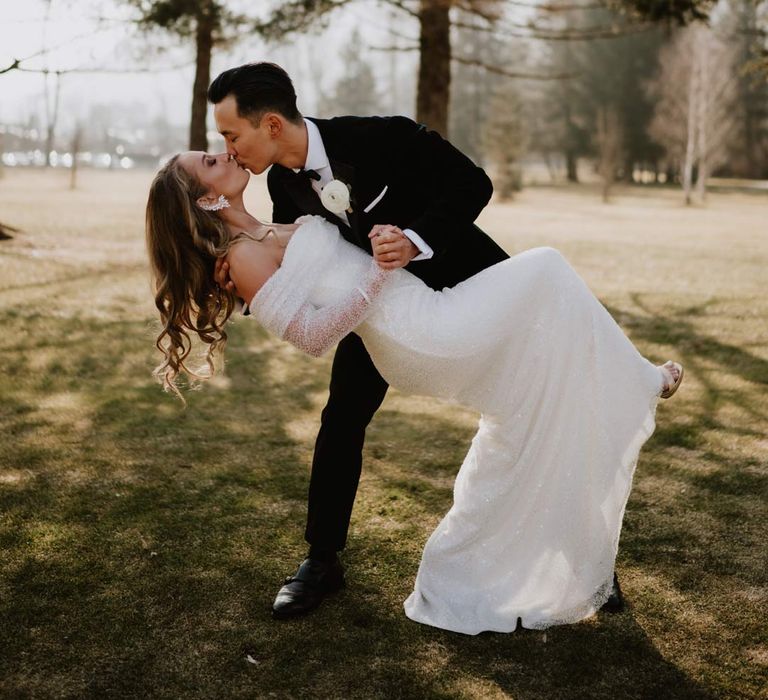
x: 219, y: 173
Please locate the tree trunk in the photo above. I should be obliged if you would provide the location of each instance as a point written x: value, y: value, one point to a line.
x: 76, y: 138
x: 52, y: 116
x: 690, y: 146
x: 571, y: 139
x: 751, y: 150
x: 198, y: 138
x: 703, y: 116
x: 571, y: 166
x: 552, y: 169
x: 393, y: 81
x: 609, y: 141
x: 434, y: 86
x: 628, y: 171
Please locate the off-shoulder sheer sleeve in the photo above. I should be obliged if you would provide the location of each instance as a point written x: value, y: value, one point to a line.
x: 316, y: 330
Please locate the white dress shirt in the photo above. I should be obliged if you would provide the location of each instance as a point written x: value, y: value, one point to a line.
x: 317, y: 160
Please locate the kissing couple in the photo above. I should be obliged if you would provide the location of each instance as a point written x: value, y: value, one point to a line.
x: 372, y: 249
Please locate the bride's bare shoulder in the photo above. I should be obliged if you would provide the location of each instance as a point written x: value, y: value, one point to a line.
x: 251, y: 264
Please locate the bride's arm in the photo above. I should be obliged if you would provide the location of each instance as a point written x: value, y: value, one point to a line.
x: 316, y: 330
x: 249, y: 268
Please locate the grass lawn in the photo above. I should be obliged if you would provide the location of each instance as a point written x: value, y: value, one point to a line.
x: 141, y: 545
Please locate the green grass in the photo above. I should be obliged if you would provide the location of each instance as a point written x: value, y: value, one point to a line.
x: 141, y: 545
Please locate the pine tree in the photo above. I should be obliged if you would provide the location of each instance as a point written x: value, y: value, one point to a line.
x: 209, y: 23
x: 355, y: 92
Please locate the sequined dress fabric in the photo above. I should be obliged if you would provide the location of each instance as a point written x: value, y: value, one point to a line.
x: 566, y: 402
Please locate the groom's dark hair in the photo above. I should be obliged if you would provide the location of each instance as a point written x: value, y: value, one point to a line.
x: 258, y: 88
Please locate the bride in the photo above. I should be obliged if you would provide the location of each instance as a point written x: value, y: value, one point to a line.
x: 566, y: 400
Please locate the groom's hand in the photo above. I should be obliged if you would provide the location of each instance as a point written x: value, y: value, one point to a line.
x: 391, y: 247
x: 221, y: 275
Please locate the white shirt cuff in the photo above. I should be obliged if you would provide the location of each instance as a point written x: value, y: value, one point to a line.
x: 426, y: 252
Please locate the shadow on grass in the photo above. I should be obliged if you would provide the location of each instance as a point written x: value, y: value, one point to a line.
x: 712, y: 479
x: 127, y: 524
x: 93, y: 276
x: 142, y: 545
x: 6, y: 231
x: 698, y: 351
x: 605, y: 657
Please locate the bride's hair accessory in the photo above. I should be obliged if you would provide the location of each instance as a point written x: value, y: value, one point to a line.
x: 221, y: 203
x: 335, y: 197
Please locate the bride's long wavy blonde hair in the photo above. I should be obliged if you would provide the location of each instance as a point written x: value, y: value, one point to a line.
x: 183, y: 242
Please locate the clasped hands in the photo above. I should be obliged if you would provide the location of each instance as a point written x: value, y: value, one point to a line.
x: 390, y: 246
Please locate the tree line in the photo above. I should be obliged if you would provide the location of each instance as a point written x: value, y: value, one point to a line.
x: 654, y: 103
x: 673, y: 89
x: 211, y: 23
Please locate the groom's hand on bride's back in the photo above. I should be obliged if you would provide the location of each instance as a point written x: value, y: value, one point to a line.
x: 391, y: 247
x: 221, y: 275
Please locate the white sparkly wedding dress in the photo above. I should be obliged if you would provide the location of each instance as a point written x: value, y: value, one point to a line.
x: 566, y: 403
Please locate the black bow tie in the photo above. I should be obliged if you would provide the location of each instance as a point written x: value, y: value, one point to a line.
x: 311, y: 174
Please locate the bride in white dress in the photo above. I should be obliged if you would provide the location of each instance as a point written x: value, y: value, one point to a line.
x: 566, y: 400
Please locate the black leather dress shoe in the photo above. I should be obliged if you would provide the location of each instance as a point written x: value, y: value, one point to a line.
x: 615, y: 602
x: 305, y: 590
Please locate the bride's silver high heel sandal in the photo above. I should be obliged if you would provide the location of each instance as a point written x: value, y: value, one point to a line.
x: 671, y: 384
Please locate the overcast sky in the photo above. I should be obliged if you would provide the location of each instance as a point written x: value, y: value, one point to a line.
x: 80, y: 41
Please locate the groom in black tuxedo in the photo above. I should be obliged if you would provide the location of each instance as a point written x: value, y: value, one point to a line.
x: 413, y: 201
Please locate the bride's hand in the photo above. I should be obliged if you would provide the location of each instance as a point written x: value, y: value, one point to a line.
x: 391, y: 247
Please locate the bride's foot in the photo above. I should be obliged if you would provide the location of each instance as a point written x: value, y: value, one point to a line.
x: 673, y: 376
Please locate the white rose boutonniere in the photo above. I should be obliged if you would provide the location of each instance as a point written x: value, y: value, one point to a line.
x: 335, y: 197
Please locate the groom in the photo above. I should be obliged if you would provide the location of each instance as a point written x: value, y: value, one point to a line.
x: 413, y: 201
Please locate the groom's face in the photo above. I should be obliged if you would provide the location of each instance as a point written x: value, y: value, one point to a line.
x: 254, y: 147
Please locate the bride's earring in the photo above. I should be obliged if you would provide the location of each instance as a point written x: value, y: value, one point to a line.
x: 220, y: 203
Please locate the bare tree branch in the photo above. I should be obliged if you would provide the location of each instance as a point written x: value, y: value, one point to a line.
x: 471, y: 7
x: 394, y: 48
x: 400, y: 5
x: 545, y: 7
x: 511, y: 74
x: 12, y: 66
x: 605, y: 32
x: 111, y: 71
x: 16, y: 63
x: 498, y: 70
x: 296, y: 16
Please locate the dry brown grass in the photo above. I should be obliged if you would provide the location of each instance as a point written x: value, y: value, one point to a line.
x: 142, y: 545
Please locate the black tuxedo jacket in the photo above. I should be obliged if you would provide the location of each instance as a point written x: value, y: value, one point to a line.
x: 432, y: 188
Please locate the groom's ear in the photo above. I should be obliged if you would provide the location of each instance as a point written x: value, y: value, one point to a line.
x: 273, y: 124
